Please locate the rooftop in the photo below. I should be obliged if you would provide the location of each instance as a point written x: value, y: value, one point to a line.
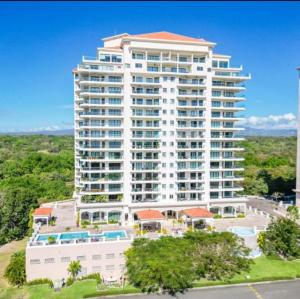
x: 42, y: 212
x: 198, y: 213
x: 150, y: 215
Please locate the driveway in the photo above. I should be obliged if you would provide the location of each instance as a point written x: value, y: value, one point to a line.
x: 276, y: 290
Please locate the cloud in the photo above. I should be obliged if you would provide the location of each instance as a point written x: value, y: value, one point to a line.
x: 52, y: 128
x: 284, y: 121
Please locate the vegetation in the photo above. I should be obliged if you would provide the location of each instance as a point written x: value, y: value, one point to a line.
x: 270, y: 165
x: 74, y: 269
x: 281, y: 238
x: 263, y: 269
x: 15, y: 272
x: 40, y: 281
x: 173, y: 264
x: 33, y: 170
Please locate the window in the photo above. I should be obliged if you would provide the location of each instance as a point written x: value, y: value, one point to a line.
x: 172, y: 101
x: 81, y: 258
x: 49, y: 260
x: 165, y: 79
x: 214, y: 63
x: 223, y: 64
x: 164, y: 111
x: 122, y: 266
x: 165, y: 101
x: 96, y: 257
x: 164, y: 89
x: 199, y: 68
x: 172, y: 90
x: 35, y: 261
x: 121, y: 254
x: 109, y: 267
x: 105, y: 57
x: 65, y: 259
x: 110, y: 256
x: 138, y: 65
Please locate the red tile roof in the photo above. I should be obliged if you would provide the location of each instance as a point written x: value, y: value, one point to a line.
x: 197, y: 213
x: 42, y: 212
x: 168, y: 36
x: 150, y: 215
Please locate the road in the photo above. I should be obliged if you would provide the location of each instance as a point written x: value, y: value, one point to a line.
x: 275, y: 290
x: 268, y: 206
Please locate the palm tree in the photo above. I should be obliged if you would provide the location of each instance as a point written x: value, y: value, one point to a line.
x: 74, y: 269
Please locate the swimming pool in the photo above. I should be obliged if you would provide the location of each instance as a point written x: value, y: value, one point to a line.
x: 83, y: 235
x: 242, y: 231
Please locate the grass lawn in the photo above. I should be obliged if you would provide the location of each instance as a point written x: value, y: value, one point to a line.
x: 5, y: 252
x: 263, y: 269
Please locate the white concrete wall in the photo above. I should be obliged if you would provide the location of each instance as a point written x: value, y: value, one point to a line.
x: 58, y: 269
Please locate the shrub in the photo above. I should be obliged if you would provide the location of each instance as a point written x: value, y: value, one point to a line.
x: 241, y: 215
x: 51, y: 240
x: 85, y: 222
x: 15, y: 271
x: 217, y: 216
x: 70, y: 281
x: 113, y: 221
x: 40, y: 281
x: 119, y: 291
x: 95, y: 276
x: 67, y: 229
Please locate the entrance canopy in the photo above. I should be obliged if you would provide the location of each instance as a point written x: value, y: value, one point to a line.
x: 42, y: 214
x: 149, y: 215
x: 197, y: 213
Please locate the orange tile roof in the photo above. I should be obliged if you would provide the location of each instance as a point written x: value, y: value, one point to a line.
x: 168, y: 36
x: 42, y: 212
x: 150, y: 215
x: 197, y: 213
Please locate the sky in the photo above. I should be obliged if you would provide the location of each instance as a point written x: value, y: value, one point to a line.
x: 40, y: 44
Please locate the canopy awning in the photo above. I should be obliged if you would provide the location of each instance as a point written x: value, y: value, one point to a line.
x: 42, y: 212
x: 197, y: 213
x: 149, y: 215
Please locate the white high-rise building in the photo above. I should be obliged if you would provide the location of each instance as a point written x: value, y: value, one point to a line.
x: 156, y: 128
x: 297, y: 190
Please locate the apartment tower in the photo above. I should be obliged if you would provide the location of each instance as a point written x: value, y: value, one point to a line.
x: 156, y: 128
x: 298, y: 148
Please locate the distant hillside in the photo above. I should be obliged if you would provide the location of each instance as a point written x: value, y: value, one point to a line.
x: 50, y: 133
x: 268, y: 132
x: 246, y: 132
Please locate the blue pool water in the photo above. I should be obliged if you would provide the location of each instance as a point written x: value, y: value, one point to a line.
x: 242, y: 231
x: 83, y: 235
x: 76, y: 235
x: 45, y: 237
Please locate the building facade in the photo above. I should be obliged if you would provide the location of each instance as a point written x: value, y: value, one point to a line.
x: 298, y: 148
x: 156, y: 128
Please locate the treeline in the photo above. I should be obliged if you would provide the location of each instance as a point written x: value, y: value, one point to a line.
x: 33, y: 170
x: 36, y: 169
x: 270, y: 165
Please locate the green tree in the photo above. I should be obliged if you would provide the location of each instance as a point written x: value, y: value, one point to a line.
x: 218, y: 256
x: 281, y: 238
x: 293, y: 213
x: 160, y: 265
x: 15, y: 271
x: 74, y: 268
x: 14, y: 210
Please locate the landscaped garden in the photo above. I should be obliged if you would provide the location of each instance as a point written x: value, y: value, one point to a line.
x: 264, y: 268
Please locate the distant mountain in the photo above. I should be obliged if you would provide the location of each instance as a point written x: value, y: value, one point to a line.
x: 247, y: 132
x: 268, y: 132
x: 56, y: 133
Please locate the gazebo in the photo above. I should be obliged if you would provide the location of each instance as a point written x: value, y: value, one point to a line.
x: 42, y: 215
x: 150, y: 216
x: 196, y: 214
